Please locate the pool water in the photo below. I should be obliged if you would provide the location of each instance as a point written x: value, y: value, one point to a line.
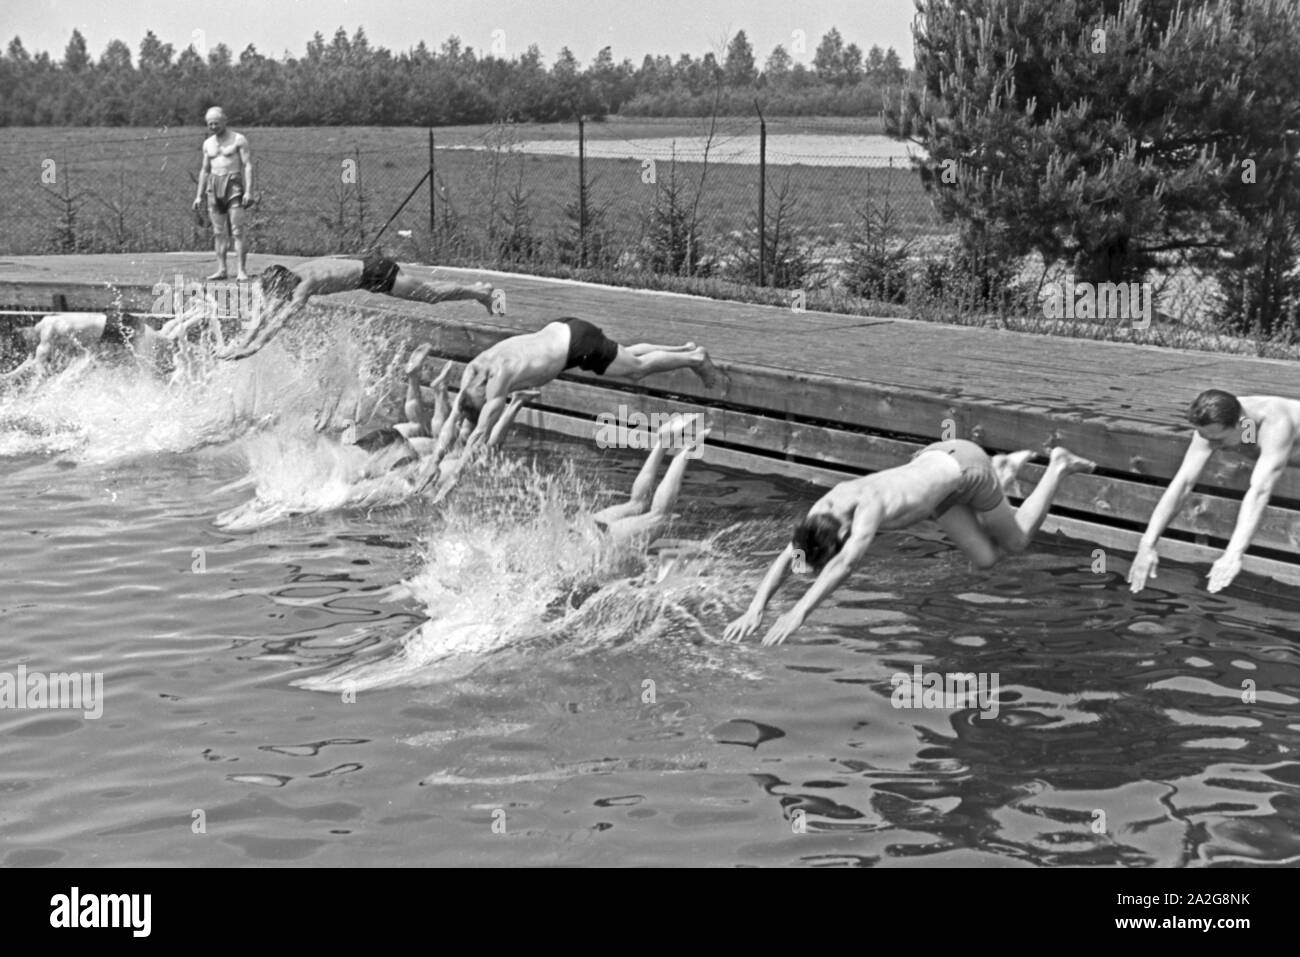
x: 485, y: 683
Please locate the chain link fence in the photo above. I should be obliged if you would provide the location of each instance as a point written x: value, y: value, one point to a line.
x: 831, y: 219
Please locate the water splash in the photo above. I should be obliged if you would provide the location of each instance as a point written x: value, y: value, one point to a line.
x: 100, y: 408
x: 295, y: 472
x: 517, y: 567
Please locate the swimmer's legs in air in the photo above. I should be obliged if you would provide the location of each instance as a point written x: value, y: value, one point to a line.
x: 417, y: 413
x: 432, y: 291
x: 450, y: 467
x: 642, y: 348
x: 988, y: 536
x: 644, y: 358
x: 645, y: 517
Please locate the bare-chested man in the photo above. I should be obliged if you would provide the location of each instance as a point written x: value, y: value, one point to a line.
x: 954, y: 482
x: 533, y: 359
x: 80, y: 332
x: 1263, y: 427
x: 417, y: 438
x: 226, y: 184
x: 285, y: 292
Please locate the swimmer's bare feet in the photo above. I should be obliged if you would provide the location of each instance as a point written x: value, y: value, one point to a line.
x: 241, y: 276
x: 487, y: 297
x: 441, y: 377
x: 219, y: 274
x: 709, y: 374
x: 678, y: 424
x: 1069, y: 463
x: 696, y: 441
x: 418, y: 356
x: 1007, y: 468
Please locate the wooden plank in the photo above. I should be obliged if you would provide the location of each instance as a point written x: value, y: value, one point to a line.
x: 713, y: 455
x: 1114, y: 446
x: 856, y: 452
x: 1122, y: 541
x: 896, y: 376
x: 1126, y: 542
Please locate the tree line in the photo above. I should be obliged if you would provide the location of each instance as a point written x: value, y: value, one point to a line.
x: 347, y: 81
x: 1117, y: 139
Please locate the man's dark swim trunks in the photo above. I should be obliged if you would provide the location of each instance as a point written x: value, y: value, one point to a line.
x: 589, y: 348
x: 979, y: 488
x: 223, y: 189
x: 119, y: 330
x: 378, y: 273
x: 380, y: 439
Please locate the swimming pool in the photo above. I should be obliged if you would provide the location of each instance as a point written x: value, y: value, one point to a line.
x: 532, y: 699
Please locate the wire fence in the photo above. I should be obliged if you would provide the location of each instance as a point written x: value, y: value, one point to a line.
x: 806, y: 214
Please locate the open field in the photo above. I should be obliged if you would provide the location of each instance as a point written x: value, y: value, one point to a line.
x: 328, y: 189
x: 331, y: 189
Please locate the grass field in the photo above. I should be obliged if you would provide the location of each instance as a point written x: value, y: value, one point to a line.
x: 330, y: 189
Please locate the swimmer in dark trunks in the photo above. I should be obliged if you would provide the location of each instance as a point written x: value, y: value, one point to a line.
x: 79, y: 332
x: 285, y: 293
x: 953, y: 482
x: 226, y: 185
x: 533, y: 359
x: 406, y: 443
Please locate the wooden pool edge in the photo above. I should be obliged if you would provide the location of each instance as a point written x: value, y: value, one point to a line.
x: 822, y: 429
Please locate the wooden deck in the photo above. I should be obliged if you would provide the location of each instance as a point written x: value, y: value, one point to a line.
x: 820, y: 396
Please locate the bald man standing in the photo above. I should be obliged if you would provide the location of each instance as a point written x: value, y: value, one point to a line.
x: 226, y: 180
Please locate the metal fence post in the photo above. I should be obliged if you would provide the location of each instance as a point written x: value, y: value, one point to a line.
x: 582, y: 195
x: 433, y: 190
x: 361, y: 207
x: 762, y: 199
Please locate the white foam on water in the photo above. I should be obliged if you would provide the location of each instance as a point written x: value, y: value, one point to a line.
x: 296, y: 472
x: 515, y: 566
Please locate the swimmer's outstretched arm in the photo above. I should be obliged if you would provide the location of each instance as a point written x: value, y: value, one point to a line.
x: 261, y: 334
x: 832, y: 576
x: 1147, y: 559
x: 179, y: 327
x: 1275, y: 450
x: 270, y: 322
x: 37, y: 361
x: 748, y: 623
x: 517, y: 401
x: 26, y: 366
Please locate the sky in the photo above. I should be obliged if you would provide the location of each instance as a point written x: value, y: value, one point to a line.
x: 632, y: 27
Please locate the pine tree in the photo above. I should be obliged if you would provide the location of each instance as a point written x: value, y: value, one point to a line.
x: 739, y: 63
x: 1108, y: 136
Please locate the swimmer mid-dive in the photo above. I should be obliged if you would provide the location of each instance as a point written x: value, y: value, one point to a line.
x: 531, y: 360
x: 396, y: 463
x: 419, y: 437
x: 1263, y: 427
x: 954, y: 482
x: 79, y: 332
x: 285, y: 292
x: 644, y: 516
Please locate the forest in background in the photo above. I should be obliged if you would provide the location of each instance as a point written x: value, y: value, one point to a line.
x: 346, y: 81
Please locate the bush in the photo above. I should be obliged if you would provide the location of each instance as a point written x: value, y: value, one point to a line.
x: 877, y: 266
